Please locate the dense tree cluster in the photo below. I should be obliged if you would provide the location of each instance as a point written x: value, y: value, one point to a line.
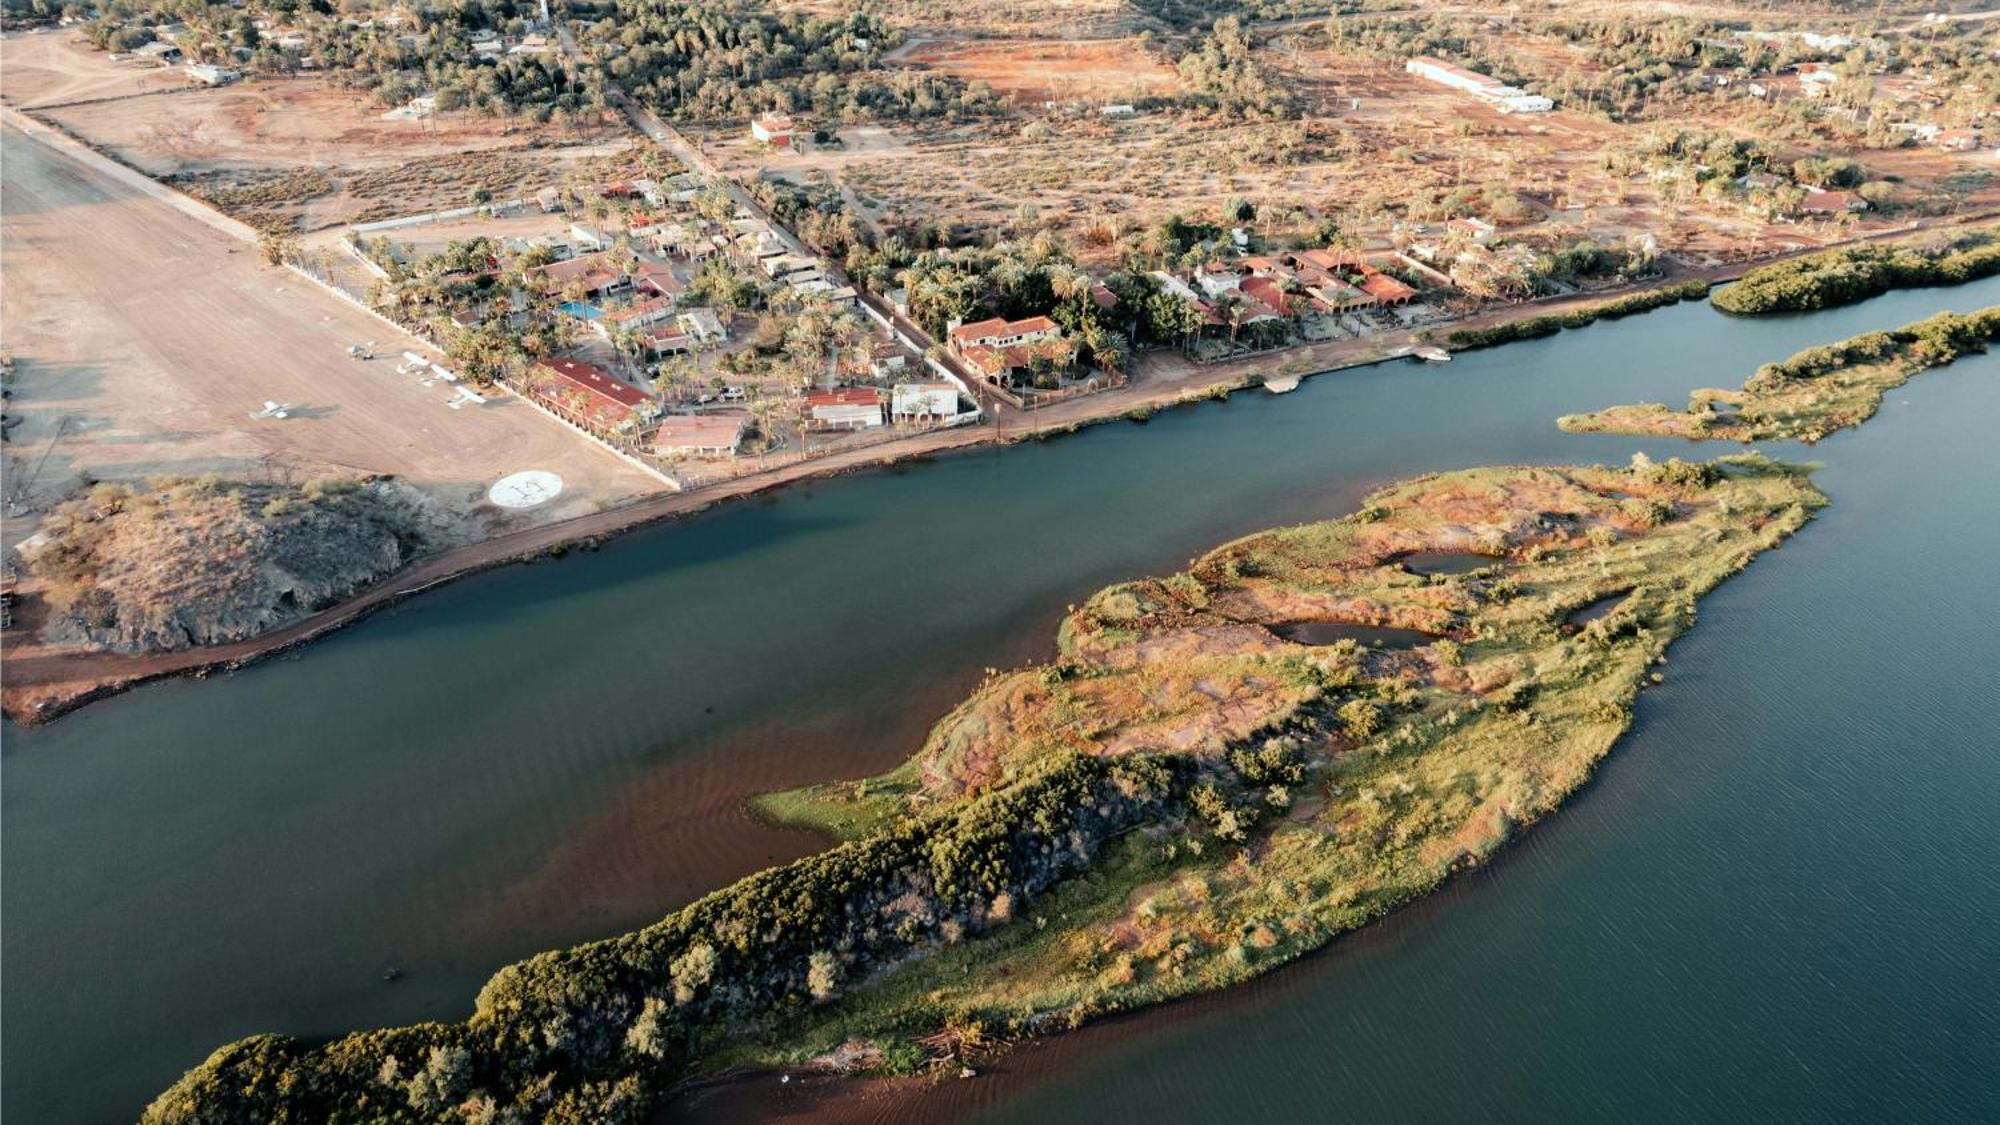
x: 1012, y: 280
x: 1855, y: 273
x: 726, y: 60
x: 1927, y: 343
x: 1222, y: 71
x: 598, y: 1032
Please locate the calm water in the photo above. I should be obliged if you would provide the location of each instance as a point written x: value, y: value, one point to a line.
x: 1778, y: 900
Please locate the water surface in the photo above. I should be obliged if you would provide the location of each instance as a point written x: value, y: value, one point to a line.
x: 557, y: 752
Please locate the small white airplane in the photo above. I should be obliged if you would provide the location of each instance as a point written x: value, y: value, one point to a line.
x: 272, y: 410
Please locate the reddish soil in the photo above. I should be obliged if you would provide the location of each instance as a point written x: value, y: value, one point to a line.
x: 1044, y: 70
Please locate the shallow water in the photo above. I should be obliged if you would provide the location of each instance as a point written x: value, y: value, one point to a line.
x: 1368, y: 636
x: 1445, y: 562
x: 556, y: 752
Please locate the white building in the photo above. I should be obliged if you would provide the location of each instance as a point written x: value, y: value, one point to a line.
x: 922, y: 402
x: 1507, y: 99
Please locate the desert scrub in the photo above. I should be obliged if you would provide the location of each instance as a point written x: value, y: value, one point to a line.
x: 1812, y: 394
x: 1183, y: 800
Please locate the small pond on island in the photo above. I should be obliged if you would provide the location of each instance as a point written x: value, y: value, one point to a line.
x: 1320, y: 633
x: 1446, y: 562
x: 546, y: 754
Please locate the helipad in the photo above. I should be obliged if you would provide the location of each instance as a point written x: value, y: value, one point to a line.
x: 525, y: 490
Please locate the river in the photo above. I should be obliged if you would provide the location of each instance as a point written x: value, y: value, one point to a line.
x: 1777, y: 900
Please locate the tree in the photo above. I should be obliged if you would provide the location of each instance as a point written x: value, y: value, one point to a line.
x: 821, y: 975
x: 278, y: 243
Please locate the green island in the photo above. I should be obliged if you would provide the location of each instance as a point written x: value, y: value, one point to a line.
x: 1855, y: 273
x: 1812, y: 394
x: 1218, y: 772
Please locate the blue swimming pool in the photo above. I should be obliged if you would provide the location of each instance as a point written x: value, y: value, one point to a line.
x: 582, y: 310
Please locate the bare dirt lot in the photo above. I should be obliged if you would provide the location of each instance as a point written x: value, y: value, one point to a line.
x: 1032, y: 71
x: 46, y: 68
x: 301, y: 149
x: 144, y: 338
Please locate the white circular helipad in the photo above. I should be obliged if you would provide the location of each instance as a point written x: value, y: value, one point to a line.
x: 525, y: 490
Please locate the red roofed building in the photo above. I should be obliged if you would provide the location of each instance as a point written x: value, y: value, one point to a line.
x: 1266, y: 297
x: 1832, y: 203
x: 845, y: 408
x: 598, y: 274
x: 587, y: 396
x: 774, y: 129
x: 1385, y: 289
x: 998, y: 333
x: 661, y: 282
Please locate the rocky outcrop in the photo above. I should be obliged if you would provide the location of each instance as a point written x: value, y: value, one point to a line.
x: 206, y: 562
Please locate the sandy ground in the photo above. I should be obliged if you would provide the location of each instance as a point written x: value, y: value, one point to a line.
x: 44, y: 68
x: 145, y: 337
x: 1040, y: 70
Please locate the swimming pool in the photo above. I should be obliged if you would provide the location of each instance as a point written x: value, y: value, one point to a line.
x: 582, y: 310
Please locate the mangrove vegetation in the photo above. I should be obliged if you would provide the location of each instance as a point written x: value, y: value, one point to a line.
x: 1810, y: 395
x: 1855, y: 273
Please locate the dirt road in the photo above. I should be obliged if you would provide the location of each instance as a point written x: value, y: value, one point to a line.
x: 148, y: 337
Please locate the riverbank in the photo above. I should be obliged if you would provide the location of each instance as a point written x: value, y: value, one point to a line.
x: 44, y: 682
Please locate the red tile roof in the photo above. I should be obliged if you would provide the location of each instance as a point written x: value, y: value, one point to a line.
x: 609, y: 401
x: 995, y: 326
x: 1382, y: 287
x: 845, y: 396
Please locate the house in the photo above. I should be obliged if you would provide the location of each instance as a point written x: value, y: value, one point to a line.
x: 532, y: 45
x: 1817, y: 79
x: 667, y: 339
x: 886, y: 359
x: 1958, y: 140
x: 998, y: 333
x: 599, y: 275
x: 550, y: 199
x: 159, y: 53
x: 1760, y: 181
x: 559, y: 250
x: 922, y: 402
x: 659, y: 281
x: 1118, y: 111
x: 1102, y: 297
x: 999, y: 365
x: 589, y: 238
x: 774, y: 129
x: 587, y: 396
x: 700, y: 435
x: 703, y: 325
x: 216, y: 75
x: 845, y: 408
x: 638, y: 314
x: 1832, y: 203
x: 1479, y: 230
